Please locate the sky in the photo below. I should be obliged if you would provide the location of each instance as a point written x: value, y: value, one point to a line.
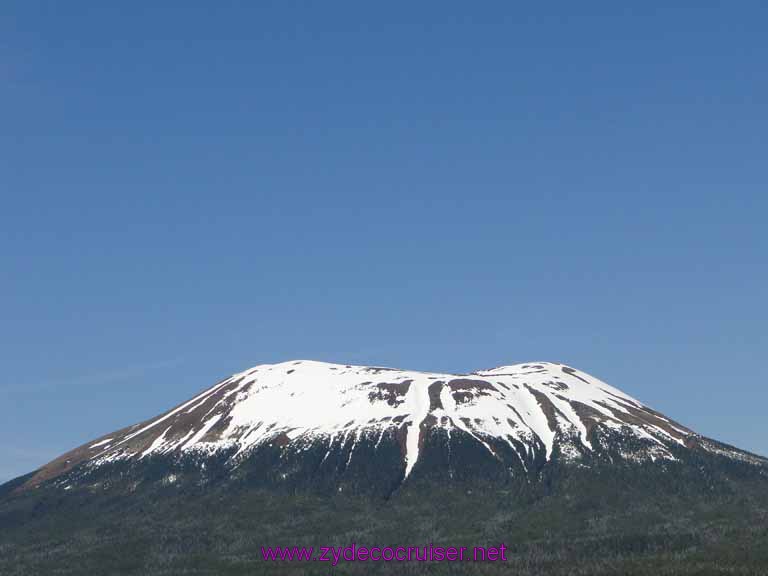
x: 188, y: 189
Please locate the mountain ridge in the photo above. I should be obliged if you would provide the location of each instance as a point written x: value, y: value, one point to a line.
x: 521, y: 415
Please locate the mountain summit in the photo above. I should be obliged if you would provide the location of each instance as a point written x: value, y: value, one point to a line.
x: 338, y: 422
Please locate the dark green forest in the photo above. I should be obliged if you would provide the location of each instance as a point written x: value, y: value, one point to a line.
x: 644, y: 519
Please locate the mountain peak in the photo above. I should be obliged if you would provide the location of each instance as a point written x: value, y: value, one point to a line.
x: 526, y: 414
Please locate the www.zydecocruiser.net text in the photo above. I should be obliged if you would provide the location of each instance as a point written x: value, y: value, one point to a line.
x: 355, y: 553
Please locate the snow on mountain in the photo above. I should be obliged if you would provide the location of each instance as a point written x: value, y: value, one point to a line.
x: 535, y: 407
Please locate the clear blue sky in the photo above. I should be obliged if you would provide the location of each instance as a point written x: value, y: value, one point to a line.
x: 189, y: 189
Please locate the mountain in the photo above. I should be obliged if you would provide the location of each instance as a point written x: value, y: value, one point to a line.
x: 312, y: 449
x: 519, y: 417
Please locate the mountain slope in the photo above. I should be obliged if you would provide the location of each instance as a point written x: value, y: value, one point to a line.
x: 521, y: 416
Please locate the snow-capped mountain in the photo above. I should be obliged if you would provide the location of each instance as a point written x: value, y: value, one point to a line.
x: 539, y: 455
x: 333, y: 419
